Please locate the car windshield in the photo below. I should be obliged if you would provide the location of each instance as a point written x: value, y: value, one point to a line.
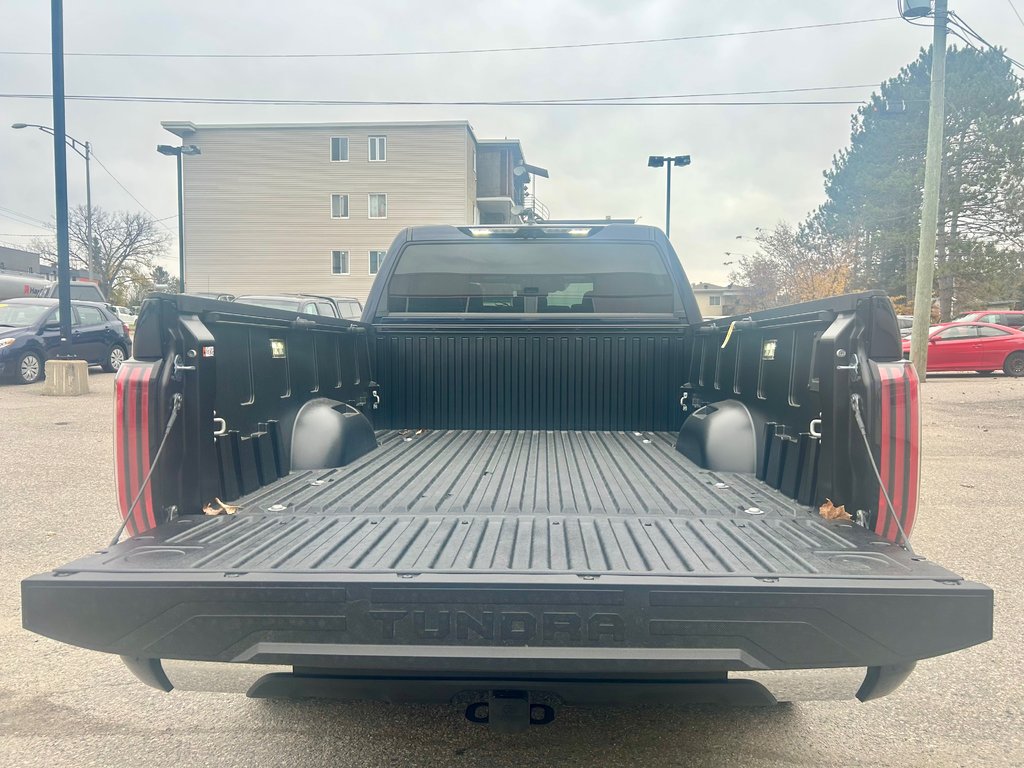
x: 530, y: 277
x: 291, y: 305
x: 21, y: 314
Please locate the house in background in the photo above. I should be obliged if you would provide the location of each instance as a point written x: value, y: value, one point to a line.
x: 314, y: 207
x: 719, y: 300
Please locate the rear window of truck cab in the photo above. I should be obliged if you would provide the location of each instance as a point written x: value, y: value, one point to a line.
x: 531, y: 277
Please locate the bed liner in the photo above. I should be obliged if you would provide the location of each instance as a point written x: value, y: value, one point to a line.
x: 528, y: 502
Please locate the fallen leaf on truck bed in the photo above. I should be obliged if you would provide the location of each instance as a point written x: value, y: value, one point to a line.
x: 218, y: 507
x: 830, y: 511
x: 228, y: 508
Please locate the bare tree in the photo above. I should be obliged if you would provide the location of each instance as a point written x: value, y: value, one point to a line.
x: 125, y: 247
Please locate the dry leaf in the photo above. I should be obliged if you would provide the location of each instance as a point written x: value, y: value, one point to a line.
x: 229, y: 509
x: 830, y: 511
x: 218, y: 507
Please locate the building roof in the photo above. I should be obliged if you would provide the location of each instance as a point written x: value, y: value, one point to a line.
x: 715, y: 287
x: 185, y: 128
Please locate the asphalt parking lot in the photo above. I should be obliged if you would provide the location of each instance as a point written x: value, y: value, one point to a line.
x: 61, y: 706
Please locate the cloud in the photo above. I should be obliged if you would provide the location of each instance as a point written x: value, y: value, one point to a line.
x: 751, y: 165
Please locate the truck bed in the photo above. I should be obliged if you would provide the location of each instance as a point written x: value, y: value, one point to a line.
x: 518, y: 502
x: 513, y: 553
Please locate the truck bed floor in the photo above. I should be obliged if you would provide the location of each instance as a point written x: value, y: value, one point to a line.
x: 502, y: 502
x: 523, y: 472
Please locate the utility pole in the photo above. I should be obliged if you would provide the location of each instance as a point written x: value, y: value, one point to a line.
x: 88, y: 213
x: 930, y: 205
x: 84, y: 150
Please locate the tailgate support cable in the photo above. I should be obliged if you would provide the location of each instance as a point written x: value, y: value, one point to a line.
x: 855, y: 405
x: 175, y: 408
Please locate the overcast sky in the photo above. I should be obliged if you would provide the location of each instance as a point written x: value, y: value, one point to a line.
x: 752, y: 165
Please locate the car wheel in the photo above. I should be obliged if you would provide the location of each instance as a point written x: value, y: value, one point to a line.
x: 115, y: 359
x: 1014, y: 365
x: 30, y: 368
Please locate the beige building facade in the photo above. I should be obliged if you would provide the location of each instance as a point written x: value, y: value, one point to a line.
x: 312, y: 208
x: 718, y: 300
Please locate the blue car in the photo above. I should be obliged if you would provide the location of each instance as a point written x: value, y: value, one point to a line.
x: 30, y: 334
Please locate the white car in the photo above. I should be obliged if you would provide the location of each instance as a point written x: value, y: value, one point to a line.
x: 126, y: 316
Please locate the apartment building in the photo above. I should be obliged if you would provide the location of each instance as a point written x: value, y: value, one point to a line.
x: 719, y: 300
x: 314, y: 207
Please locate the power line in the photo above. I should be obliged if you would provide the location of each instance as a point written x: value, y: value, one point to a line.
x: 1016, y: 12
x: 966, y: 28
x: 627, y: 101
x: 455, y: 51
x: 23, y: 218
x: 128, y: 192
x: 589, y: 99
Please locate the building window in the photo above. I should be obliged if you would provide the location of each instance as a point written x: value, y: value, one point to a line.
x: 378, y: 149
x: 378, y: 205
x: 339, y: 149
x: 339, y: 262
x: 376, y: 259
x: 339, y: 206
x: 714, y: 301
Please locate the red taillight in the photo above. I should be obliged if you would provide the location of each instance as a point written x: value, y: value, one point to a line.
x: 127, y: 330
x: 131, y: 443
x: 899, y: 458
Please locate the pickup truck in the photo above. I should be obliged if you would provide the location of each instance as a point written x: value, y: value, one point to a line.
x: 530, y: 476
x: 16, y: 285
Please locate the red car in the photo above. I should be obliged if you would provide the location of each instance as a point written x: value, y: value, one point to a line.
x: 981, y: 347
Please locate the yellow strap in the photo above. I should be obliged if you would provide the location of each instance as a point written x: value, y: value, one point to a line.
x: 728, y: 334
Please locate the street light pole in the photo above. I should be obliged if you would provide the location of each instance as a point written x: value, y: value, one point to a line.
x: 181, y: 230
x: 656, y: 161
x: 177, y: 152
x: 668, y: 200
x: 84, y: 150
x: 930, y: 204
x: 60, y: 176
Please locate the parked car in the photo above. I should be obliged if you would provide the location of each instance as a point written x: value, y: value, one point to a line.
x: 126, y: 315
x: 81, y: 290
x: 981, y: 347
x: 537, y: 476
x: 214, y: 295
x: 1008, y: 317
x: 30, y: 334
x: 906, y: 324
x: 15, y: 285
x: 303, y: 303
x: 349, y: 308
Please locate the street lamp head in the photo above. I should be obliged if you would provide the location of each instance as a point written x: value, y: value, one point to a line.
x: 19, y: 125
x: 655, y: 161
x: 167, y: 149
x: 190, y: 149
x: 681, y: 160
